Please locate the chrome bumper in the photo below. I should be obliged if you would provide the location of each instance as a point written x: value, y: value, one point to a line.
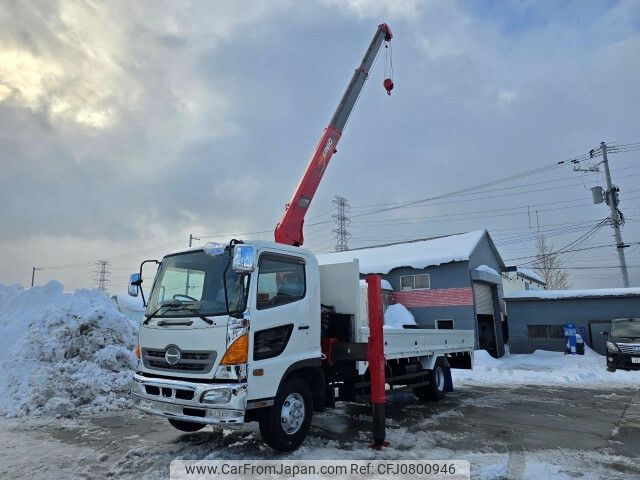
x: 180, y: 400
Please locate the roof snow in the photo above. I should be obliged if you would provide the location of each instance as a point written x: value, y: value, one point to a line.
x: 589, y: 293
x: 531, y: 274
x: 488, y: 269
x: 417, y: 254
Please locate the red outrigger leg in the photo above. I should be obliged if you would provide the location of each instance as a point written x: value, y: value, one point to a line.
x: 375, y: 357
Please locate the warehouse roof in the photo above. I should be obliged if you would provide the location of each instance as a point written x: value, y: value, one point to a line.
x: 416, y: 254
x: 531, y: 274
x: 571, y: 294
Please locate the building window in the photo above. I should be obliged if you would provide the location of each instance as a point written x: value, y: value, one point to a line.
x: 545, y: 332
x: 444, y: 324
x: 415, y: 282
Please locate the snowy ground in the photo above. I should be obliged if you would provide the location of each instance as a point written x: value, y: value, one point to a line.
x: 545, y: 368
x: 517, y: 432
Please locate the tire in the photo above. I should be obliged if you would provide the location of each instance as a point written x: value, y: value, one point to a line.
x: 284, y: 426
x: 436, y: 389
x: 185, y: 426
x: 611, y: 369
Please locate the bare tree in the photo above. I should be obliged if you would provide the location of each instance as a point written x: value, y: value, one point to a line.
x: 549, y: 266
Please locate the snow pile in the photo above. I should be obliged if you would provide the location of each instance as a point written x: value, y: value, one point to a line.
x: 417, y: 254
x: 63, y: 353
x: 396, y: 315
x: 544, y: 368
x: 130, y: 307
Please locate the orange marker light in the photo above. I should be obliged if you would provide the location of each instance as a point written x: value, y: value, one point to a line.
x: 237, y: 352
x: 136, y: 352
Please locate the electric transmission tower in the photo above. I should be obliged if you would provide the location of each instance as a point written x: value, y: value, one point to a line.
x: 342, y: 221
x: 102, y: 274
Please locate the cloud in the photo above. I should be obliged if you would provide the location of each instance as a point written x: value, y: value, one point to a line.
x: 127, y: 124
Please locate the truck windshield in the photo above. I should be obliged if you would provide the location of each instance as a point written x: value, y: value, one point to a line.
x: 628, y: 327
x: 196, y: 280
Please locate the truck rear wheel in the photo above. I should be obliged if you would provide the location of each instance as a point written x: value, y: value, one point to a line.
x: 436, y: 389
x: 284, y: 426
x: 185, y: 426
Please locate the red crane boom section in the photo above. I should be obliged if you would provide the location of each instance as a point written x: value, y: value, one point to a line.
x: 289, y: 229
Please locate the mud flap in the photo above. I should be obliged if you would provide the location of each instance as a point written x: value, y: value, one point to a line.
x: 448, y: 381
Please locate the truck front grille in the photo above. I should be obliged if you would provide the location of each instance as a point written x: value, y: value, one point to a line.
x: 630, y: 348
x: 190, y: 361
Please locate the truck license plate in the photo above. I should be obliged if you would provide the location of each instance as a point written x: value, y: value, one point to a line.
x: 635, y: 359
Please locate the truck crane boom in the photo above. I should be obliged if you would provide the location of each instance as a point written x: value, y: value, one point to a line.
x: 289, y: 229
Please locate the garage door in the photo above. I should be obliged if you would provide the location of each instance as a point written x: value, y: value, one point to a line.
x: 484, y: 298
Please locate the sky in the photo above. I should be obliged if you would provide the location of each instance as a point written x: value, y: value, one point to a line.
x: 127, y: 126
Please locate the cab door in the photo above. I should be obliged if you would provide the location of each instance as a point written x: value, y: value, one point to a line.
x: 280, y: 321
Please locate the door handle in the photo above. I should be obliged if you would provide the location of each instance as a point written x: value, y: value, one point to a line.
x: 303, y: 327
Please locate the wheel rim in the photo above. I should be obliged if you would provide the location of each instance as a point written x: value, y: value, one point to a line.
x: 438, y: 373
x: 292, y: 413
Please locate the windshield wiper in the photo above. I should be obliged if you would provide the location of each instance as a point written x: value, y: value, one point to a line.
x: 171, y: 304
x: 193, y: 309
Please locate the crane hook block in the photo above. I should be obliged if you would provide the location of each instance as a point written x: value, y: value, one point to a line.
x: 388, y: 85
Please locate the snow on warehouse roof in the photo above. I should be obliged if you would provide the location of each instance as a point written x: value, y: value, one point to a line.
x: 531, y: 274
x: 416, y: 254
x: 589, y: 293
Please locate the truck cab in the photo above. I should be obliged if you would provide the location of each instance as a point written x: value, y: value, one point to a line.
x: 623, y: 344
x: 225, y: 327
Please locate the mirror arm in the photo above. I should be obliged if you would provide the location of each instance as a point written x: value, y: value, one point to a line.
x: 139, y: 282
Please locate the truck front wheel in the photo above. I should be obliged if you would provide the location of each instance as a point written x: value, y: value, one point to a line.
x: 284, y: 426
x: 186, y: 426
x: 436, y: 388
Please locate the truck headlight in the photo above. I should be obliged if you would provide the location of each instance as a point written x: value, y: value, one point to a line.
x: 612, y: 347
x: 221, y: 395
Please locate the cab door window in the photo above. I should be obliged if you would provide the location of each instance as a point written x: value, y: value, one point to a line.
x: 281, y: 280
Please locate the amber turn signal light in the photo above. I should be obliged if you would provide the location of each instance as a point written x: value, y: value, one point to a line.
x: 237, y: 352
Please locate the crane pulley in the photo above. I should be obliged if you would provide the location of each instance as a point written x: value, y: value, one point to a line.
x: 289, y: 229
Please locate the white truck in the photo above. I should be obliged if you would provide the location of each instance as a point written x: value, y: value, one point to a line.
x: 258, y: 331
x: 234, y: 334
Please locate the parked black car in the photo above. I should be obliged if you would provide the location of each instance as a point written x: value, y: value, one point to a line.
x: 623, y: 344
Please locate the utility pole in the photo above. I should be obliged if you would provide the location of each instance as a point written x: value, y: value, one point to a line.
x: 342, y: 222
x: 611, y: 198
x: 616, y: 216
x: 33, y: 275
x: 192, y: 238
x: 102, y: 273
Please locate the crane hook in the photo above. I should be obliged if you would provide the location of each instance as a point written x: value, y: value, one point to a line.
x: 388, y: 85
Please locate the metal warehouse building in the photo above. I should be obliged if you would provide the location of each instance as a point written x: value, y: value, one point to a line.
x: 536, y: 317
x: 446, y: 282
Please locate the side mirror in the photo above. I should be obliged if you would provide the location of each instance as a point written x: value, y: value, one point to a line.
x: 134, y: 284
x: 244, y: 258
x: 604, y: 332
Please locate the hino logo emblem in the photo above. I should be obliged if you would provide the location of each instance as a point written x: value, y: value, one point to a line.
x: 172, y: 355
x: 636, y: 348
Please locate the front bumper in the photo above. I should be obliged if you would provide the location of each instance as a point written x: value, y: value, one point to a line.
x: 623, y: 361
x: 180, y: 400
